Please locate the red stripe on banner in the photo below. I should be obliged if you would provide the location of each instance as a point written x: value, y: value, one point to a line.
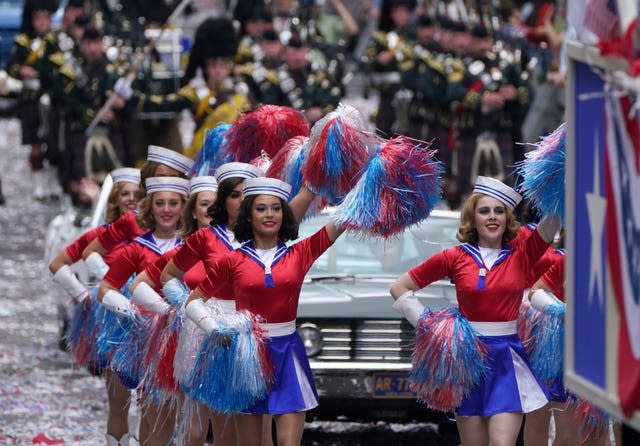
x: 628, y: 367
x: 633, y: 129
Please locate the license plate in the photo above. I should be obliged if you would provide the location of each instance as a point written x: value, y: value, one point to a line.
x: 391, y: 385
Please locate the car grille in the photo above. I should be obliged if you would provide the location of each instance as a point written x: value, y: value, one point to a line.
x: 364, y: 339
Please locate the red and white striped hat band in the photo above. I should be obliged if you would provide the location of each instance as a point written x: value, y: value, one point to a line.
x: 169, y: 158
x: 498, y: 190
x: 125, y: 174
x: 266, y: 186
x: 203, y: 183
x: 237, y: 170
x: 167, y: 184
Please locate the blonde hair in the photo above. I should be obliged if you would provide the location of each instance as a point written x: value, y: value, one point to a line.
x: 145, y: 218
x: 467, y: 232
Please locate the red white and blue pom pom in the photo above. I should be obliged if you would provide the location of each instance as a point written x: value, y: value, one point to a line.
x: 160, y: 350
x: 81, y: 336
x: 211, y: 155
x: 448, y: 359
x: 266, y: 128
x: 287, y: 166
x: 129, y: 353
x: 590, y: 421
x: 547, y: 341
x: 527, y: 317
x: 543, y: 173
x: 337, y: 152
x: 400, y: 187
x: 230, y: 372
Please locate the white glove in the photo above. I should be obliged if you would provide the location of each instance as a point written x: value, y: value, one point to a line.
x: 410, y: 307
x: 97, y: 265
x: 546, y: 302
x: 67, y: 280
x: 123, y: 88
x: 201, y: 316
x: 147, y: 297
x: 115, y: 301
x: 175, y: 291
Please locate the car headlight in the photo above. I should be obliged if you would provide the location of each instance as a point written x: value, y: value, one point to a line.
x: 311, y: 338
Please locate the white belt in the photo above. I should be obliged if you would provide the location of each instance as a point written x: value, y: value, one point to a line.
x: 224, y: 305
x: 279, y: 328
x: 495, y: 328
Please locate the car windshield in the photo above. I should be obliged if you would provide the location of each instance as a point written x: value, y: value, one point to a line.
x: 354, y: 255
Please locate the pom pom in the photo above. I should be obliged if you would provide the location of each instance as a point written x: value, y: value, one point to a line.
x: 400, y: 187
x: 547, y: 343
x: 448, y: 359
x: 337, y: 152
x: 128, y: 355
x: 211, y: 155
x: 231, y: 371
x: 81, y: 336
x: 160, y: 352
x: 589, y: 420
x: 287, y: 166
x: 262, y: 161
x: 266, y: 128
x: 543, y: 174
x: 527, y: 317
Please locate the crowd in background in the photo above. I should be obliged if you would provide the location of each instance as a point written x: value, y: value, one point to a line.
x: 476, y: 79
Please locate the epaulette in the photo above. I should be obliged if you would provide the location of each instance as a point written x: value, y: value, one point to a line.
x: 189, y: 93
x: 436, y: 65
x: 68, y: 71
x: 471, y: 99
x: 454, y: 77
x: 57, y: 58
x: 407, y: 65
x: 380, y: 37
x: 246, y: 69
x: 51, y: 37
x: 272, y: 76
x: 110, y: 68
x: 23, y: 40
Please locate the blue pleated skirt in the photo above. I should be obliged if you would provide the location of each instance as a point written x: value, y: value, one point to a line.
x: 293, y: 388
x: 510, y: 384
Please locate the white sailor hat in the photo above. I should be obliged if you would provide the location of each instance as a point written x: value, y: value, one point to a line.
x: 266, y: 186
x: 203, y: 183
x: 237, y: 170
x: 125, y: 174
x: 498, y: 190
x: 169, y: 158
x: 167, y: 184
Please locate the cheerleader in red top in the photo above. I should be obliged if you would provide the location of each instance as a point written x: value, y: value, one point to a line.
x: 547, y: 296
x: 490, y: 277
x: 266, y: 279
x: 202, y: 194
x: 122, y: 199
x: 161, y: 162
x: 159, y: 213
x: 215, y: 240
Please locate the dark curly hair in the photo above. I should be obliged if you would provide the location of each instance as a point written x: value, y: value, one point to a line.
x: 243, y: 230
x: 467, y: 232
x: 218, y: 211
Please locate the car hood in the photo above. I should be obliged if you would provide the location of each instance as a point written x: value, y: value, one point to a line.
x: 364, y: 297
